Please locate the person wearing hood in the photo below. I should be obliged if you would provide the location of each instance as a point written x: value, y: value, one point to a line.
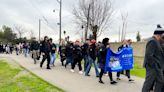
x: 102, y: 61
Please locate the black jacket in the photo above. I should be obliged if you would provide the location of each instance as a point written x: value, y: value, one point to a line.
x: 45, y: 47
x: 77, y: 52
x: 154, y: 58
x: 154, y: 54
x: 121, y: 47
x: 102, y: 56
x: 85, y: 48
x: 53, y: 48
x: 69, y: 50
x: 62, y: 51
x: 35, y: 45
x: 93, y: 51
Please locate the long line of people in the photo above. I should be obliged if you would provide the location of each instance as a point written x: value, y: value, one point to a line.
x: 93, y: 54
x: 73, y: 53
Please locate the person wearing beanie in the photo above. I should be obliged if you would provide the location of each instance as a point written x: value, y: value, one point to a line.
x: 154, y: 63
x: 102, y: 60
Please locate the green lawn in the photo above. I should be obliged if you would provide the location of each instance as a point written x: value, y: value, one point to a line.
x: 17, y: 79
x: 138, y: 69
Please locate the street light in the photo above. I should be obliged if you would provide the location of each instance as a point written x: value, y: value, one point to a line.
x: 60, y: 13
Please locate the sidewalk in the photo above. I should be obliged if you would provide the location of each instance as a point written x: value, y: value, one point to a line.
x: 74, y: 82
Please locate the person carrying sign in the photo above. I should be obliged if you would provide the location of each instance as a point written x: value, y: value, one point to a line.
x: 154, y: 63
x: 102, y: 60
x: 125, y: 44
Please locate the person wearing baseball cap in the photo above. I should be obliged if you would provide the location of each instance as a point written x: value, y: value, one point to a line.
x: 154, y: 62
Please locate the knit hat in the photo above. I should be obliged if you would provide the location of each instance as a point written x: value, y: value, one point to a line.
x: 159, y: 30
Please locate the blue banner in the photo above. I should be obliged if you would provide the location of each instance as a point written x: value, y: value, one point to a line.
x: 122, y: 60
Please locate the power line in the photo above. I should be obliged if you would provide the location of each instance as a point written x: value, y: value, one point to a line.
x: 41, y: 15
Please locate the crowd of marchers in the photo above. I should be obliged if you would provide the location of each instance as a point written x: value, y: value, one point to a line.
x: 88, y: 54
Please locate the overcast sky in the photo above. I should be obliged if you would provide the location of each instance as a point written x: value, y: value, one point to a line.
x: 143, y: 15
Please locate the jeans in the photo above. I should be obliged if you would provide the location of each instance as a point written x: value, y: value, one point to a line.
x: 86, y: 62
x: 26, y: 51
x: 90, y: 65
x: 69, y: 60
x: 53, y: 58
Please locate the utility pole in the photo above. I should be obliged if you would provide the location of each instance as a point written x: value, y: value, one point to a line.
x: 39, y: 28
x: 60, y: 27
x: 86, y: 30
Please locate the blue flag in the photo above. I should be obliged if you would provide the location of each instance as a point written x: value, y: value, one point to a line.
x: 122, y: 60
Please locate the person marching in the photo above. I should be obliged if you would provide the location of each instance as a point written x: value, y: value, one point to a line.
x: 62, y: 52
x: 102, y: 61
x: 69, y: 53
x: 45, y: 50
x: 35, y: 46
x: 85, y: 48
x: 125, y: 44
x: 154, y: 63
x: 53, y: 52
x: 92, y: 58
x: 77, y: 53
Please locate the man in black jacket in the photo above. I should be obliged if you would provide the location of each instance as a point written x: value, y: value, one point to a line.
x: 92, y: 58
x: 45, y: 50
x: 85, y: 49
x: 69, y: 53
x: 102, y: 62
x: 154, y: 63
x: 35, y: 49
x: 77, y: 57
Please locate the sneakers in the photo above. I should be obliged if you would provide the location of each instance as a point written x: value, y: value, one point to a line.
x: 113, y: 82
x: 118, y: 79
x: 72, y: 70
x: 130, y: 80
x: 97, y: 76
x: 80, y: 72
x: 87, y: 75
x: 40, y: 65
x: 101, y: 82
x: 48, y: 68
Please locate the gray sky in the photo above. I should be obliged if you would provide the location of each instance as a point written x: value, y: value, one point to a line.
x: 143, y: 15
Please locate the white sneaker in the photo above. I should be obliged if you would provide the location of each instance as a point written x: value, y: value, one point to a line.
x: 80, y: 72
x: 72, y: 70
x: 106, y: 74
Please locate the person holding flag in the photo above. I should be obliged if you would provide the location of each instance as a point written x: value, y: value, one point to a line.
x: 102, y: 60
x: 125, y: 44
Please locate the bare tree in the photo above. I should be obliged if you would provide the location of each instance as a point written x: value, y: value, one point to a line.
x: 124, y: 17
x: 94, y: 15
x: 21, y: 30
x: 32, y: 34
